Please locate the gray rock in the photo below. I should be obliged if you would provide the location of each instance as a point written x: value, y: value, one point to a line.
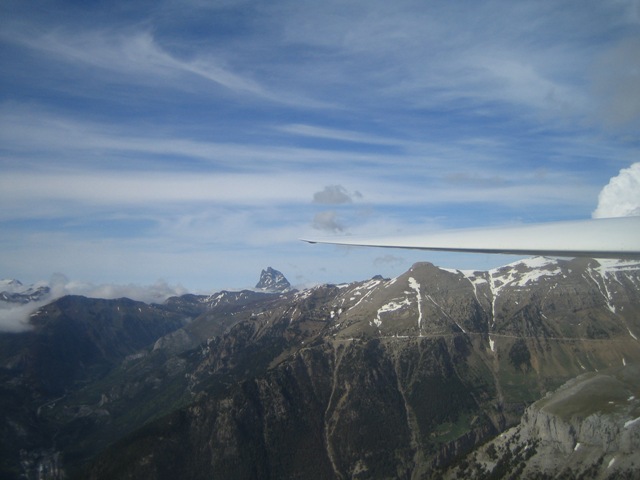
x: 272, y: 280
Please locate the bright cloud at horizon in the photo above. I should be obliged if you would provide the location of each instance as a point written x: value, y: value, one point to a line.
x: 194, y: 143
x: 621, y: 196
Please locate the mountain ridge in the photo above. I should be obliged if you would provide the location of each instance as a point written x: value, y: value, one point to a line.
x: 12, y: 291
x: 431, y: 363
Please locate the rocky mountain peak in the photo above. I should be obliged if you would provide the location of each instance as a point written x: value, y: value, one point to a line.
x: 272, y: 280
x: 14, y: 291
x: 10, y: 283
x: 427, y: 367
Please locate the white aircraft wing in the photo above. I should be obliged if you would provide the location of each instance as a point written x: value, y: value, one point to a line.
x: 597, y: 238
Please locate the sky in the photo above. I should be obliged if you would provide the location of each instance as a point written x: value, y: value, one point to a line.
x: 188, y: 145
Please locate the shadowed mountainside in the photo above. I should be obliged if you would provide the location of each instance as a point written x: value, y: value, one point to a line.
x: 387, y: 378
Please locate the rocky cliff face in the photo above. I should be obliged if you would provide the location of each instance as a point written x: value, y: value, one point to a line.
x: 273, y: 281
x: 357, y: 409
x: 390, y: 378
x: 386, y: 378
x: 588, y: 428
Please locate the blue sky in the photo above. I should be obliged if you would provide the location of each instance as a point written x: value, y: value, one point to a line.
x: 194, y: 142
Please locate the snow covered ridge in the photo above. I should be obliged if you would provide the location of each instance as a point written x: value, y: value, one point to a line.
x: 526, y: 273
x: 531, y: 270
x: 14, y: 292
x: 610, y: 265
x: 429, y: 300
x: 11, y: 285
x: 413, y: 294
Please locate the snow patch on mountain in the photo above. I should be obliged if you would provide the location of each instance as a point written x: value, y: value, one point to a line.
x: 523, y: 273
x: 392, y: 306
x: 608, y: 276
x: 13, y: 291
x: 416, y: 286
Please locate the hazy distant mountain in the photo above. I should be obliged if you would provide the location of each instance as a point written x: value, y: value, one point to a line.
x: 273, y: 281
x: 386, y: 378
x: 13, y: 291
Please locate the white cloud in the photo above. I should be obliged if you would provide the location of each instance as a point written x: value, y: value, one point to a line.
x: 142, y: 149
x: 332, y: 195
x: 156, y: 293
x: 621, y: 196
x: 128, y: 54
x: 146, y: 189
x: 327, y: 221
x: 334, y: 134
x: 131, y: 53
x: 15, y: 317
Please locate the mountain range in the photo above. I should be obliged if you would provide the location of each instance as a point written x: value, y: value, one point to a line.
x: 13, y: 291
x: 436, y: 373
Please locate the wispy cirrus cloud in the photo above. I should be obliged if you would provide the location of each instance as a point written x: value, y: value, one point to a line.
x: 187, y: 138
x: 150, y: 188
x: 336, y: 134
x: 129, y: 53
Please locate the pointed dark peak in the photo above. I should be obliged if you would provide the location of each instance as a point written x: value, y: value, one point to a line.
x: 271, y: 280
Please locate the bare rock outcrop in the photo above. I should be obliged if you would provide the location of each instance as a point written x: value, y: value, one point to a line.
x: 588, y: 428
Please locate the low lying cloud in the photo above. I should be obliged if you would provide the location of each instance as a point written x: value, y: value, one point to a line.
x: 156, y: 293
x: 621, y: 196
x: 335, y: 195
x: 14, y: 317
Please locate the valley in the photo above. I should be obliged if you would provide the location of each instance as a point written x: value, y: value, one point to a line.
x: 407, y: 377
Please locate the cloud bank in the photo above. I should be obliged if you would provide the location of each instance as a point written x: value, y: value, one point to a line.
x: 328, y: 222
x: 621, y: 196
x: 334, y: 195
x: 14, y: 317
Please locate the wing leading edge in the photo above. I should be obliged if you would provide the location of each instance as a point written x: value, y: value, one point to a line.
x: 598, y: 238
